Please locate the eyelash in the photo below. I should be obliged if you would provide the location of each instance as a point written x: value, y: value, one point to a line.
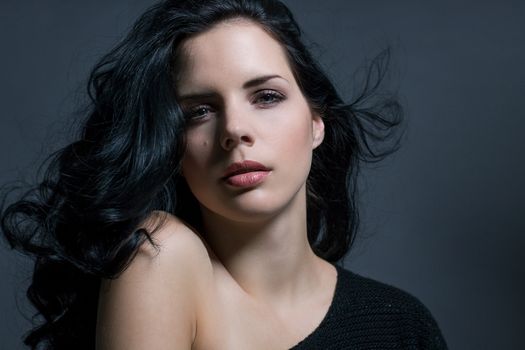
x: 276, y: 98
x: 276, y: 95
x: 192, y: 113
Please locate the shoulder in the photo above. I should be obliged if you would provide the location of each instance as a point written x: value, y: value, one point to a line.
x: 373, y: 292
x: 158, y: 292
x: 181, y: 252
x: 392, y: 309
x: 174, y: 236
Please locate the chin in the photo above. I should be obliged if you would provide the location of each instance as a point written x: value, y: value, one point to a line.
x: 259, y: 206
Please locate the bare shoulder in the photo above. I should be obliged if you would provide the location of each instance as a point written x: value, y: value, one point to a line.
x: 153, y: 303
x: 181, y: 249
x: 174, y: 234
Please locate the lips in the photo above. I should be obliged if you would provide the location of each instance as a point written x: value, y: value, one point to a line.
x: 245, y: 174
x: 246, y: 166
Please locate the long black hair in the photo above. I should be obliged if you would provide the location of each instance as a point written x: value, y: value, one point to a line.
x: 80, y: 222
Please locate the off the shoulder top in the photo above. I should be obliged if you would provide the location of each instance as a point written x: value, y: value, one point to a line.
x: 368, y: 314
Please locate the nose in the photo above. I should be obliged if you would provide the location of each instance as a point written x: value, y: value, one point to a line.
x: 236, y: 129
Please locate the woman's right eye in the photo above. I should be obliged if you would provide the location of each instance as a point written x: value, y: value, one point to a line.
x: 198, y: 112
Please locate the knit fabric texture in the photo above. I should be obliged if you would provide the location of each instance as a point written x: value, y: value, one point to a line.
x: 368, y: 314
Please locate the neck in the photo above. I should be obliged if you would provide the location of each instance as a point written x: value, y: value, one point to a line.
x: 270, y: 259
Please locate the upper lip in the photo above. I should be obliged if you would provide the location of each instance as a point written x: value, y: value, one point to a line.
x: 243, y: 167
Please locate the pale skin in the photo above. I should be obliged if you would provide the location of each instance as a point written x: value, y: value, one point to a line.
x: 255, y: 281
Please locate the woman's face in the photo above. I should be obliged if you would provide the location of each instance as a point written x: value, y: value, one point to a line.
x: 243, y: 102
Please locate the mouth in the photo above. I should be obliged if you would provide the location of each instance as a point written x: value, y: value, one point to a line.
x: 246, y: 166
x: 245, y: 174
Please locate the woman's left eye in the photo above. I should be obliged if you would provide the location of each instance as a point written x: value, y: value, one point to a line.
x: 268, y: 97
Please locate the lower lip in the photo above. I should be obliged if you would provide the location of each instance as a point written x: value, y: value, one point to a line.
x: 247, y: 179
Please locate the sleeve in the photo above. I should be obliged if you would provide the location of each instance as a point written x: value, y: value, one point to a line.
x: 428, y: 332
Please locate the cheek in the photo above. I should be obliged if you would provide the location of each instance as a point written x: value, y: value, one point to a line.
x: 295, y: 136
x: 197, y: 153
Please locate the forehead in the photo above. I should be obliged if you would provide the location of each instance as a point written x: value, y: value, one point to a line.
x: 231, y: 52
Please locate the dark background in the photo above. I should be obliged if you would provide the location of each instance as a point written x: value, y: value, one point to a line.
x: 443, y: 217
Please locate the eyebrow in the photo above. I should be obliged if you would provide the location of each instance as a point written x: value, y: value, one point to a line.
x: 249, y: 84
x: 260, y: 80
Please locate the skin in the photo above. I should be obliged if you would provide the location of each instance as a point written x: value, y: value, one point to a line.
x: 252, y: 280
x: 259, y: 234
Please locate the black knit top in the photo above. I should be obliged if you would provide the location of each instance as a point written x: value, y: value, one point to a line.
x: 367, y: 314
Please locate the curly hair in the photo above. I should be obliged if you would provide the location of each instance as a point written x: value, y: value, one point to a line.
x: 80, y: 223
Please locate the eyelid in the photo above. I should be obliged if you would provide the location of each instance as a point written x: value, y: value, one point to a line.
x: 189, y: 112
x: 276, y: 94
x: 270, y: 91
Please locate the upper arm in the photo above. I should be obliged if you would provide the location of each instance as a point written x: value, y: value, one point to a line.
x: 152, y: 304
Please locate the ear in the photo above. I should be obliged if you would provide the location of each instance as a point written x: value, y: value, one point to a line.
x: 317, y: 130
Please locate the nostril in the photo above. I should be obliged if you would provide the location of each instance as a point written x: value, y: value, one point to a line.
x: 246, y: 139
x: 228, y: 143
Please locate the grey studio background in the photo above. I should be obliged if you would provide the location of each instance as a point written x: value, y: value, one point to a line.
x: 442, y: 218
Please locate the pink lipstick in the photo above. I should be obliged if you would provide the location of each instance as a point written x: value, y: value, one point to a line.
x: 245, y: 174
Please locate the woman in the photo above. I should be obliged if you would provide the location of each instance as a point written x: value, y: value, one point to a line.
x: 209, y: 196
